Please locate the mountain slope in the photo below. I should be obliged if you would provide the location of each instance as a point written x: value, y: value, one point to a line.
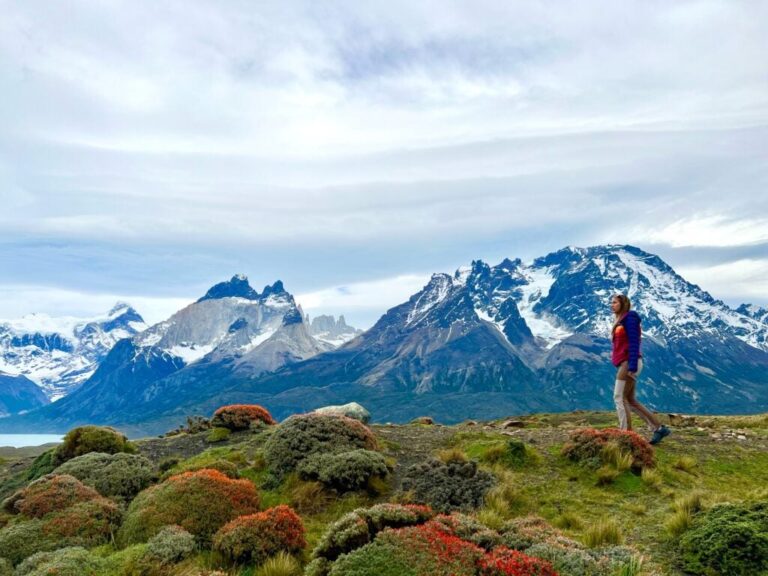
x: 19, y: 394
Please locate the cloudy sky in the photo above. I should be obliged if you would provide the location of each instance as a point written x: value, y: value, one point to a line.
x: 149, y: 150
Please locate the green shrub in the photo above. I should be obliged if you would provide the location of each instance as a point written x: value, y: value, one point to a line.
x: 131, y: 561
x: 218, y: 434
x: 64, y: 562
x: 201, y: 502
x: 241, y: 416
x: 119, y: 475
x: 256, y: 537
x: 305, y: 434
x: 6, y: 568
x: 22, y: 539
x: 42, y: 465
x: 727, y: 539
x: 85, y: 439
x: 359, y: 527
x: 344, y: 471
x: 447, y: 487
x: 172, y: 544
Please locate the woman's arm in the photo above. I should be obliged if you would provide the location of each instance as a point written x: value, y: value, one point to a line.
x: 632, y: 326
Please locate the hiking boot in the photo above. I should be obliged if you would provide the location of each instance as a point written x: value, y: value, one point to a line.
x: 660, y: 433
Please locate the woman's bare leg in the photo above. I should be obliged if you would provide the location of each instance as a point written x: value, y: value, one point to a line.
x: 636, y: 406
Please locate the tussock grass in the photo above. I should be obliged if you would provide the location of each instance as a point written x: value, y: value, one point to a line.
x: 686, y: 464
x: 678, y: 523
x: 604, y: 532
x: 281, y: 564
x: 506, y: 499
x: 491, y: 518
x: 637, y: 509
x: 633, y: 568
x: 612, y: 455
x: 454, y: 454
x: 652, y: 478
x: 690, y: 503
x: 606, y: 475
x: 378, y: 486
x: 308, y: 497
x: 569, y: 521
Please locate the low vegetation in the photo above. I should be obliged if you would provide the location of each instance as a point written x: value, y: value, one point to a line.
x: 321, y: 495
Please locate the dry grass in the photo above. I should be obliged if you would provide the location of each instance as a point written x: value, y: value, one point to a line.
x: 686, y: 464
x: 678, y: 523
x: 452, y: 455
x: 604, y: 532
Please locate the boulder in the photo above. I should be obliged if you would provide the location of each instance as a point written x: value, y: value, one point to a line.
x: 513, y: 424
x: 352, y: 410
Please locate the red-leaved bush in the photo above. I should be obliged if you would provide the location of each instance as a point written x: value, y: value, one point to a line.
x: 201, y: 502
x: 505, y: 562
x: 240, y: 416
x: 587, y: 444
x: 52, y: 494
x: 85, y: 523
x: 431, y: 548
x: 256, y: 537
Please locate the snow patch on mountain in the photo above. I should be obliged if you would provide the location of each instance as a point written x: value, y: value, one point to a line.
x: 59, y: 353
x: 539, y: 283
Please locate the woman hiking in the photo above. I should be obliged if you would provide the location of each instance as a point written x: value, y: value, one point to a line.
x: 626, y: 335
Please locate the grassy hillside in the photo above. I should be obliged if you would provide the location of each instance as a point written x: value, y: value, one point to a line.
x: 607, y: 501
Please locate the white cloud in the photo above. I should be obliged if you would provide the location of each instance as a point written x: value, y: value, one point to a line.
x: 375, y: 295
x: 18, y: 301
x: 398, y: 129
x: 742, y: 281
x: 711, y: 230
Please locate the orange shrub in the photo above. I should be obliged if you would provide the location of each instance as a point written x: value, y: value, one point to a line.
x: 51, y: 494
x: 256, y: 537
x: 585, y: 445
x: 201, y: 502
x: 240, y: 416
x: 85, y: 523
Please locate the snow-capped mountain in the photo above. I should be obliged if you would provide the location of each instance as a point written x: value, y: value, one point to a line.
x: 232, y: 330
x: 495, y: 340
x: 60, y: 353
x: 484, y: 342
x: 327, y: 329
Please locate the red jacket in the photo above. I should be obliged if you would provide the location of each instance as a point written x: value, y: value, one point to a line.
x: 626, y: 341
